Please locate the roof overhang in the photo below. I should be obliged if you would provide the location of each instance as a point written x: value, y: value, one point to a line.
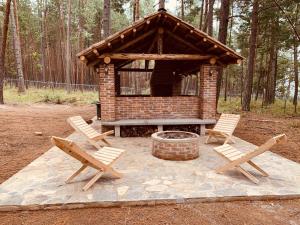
x: 137, y: 41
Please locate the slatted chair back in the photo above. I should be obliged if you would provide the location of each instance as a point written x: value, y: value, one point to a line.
x: 227, y: 123
x: 74, y: 151
x: 79, y: 124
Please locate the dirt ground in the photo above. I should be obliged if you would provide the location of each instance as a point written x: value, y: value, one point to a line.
x: 19, y: 146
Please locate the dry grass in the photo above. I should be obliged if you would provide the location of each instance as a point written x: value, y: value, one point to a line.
x: 233, y: 105
x: 47, y: 95
x: 60, y: 96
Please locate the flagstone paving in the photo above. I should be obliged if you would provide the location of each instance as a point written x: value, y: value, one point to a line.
x: 147, y: 180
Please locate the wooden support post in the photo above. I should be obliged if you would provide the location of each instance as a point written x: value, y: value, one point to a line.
x: 117, y: 131
x: 160, y: 40
x: 160, y: 128
x: 202, y: 129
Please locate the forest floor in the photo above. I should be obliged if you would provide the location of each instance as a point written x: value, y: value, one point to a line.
x: 19, y: 146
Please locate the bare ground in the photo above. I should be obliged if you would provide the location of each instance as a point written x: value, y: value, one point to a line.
x: 19, y: 146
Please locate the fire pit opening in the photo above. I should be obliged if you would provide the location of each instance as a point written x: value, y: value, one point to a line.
x: 175, y: 145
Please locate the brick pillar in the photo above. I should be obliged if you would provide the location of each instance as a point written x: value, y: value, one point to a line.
x: 107, y: 92
x: 208, y: 91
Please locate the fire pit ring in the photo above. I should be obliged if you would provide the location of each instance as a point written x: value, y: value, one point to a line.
x: 175, y: 145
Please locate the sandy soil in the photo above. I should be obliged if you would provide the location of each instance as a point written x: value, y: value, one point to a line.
x: 19, y: 146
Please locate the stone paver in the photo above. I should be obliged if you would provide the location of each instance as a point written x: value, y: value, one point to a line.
x: 146, y: 180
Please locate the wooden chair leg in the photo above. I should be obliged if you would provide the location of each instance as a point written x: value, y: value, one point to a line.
x: 229, y: 139
x: 93, y: 180
x: 258, y: 168
x: 207, y: 139
x: 76, y: 173
x: 247, y: 174
x: 106, y: 142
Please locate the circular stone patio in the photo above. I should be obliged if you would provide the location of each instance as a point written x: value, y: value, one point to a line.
x: 146, y: 180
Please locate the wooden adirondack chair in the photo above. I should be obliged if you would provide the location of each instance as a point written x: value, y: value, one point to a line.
x: 78, y: 123
x: 224, y: 128
x: 237, y: 158
x: 100, y: 160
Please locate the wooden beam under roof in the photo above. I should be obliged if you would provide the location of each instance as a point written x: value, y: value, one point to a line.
x: 141, y: 56
x: 135, y: 70
x: 132, y: 42
x: 177, y: 38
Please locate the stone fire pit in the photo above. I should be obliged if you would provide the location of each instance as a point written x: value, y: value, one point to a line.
x: 175, y: 145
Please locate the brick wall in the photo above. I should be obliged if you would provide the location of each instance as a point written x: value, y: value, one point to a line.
x: 115, y: 108
x: 157, y: 107
x: 207, y: 92
x: 107, y: 92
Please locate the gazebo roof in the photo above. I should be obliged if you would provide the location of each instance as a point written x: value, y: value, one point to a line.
x: 142, y: 36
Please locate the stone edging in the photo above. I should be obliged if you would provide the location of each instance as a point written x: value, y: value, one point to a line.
x: 110, y: 204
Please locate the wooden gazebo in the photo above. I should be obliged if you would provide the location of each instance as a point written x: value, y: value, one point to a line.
x: 165, y: 49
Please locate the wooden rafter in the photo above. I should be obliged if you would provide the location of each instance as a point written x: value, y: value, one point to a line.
x: 130, y: 43
x: 177, y: 38
x: 140, y: 56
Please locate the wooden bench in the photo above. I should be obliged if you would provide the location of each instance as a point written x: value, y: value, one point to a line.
x: 159, y: 123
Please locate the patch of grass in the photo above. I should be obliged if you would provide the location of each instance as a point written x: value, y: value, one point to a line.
x: 233, y: 105
x: 47, y: 95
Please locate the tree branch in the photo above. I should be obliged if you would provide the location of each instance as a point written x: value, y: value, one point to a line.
x: 289, y: 20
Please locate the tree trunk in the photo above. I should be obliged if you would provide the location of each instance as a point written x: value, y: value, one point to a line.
x: 106, y: 18
x: 201, y: 14
x: 3, y: 48
x: 229, y: 44
x: 224, y: 15
x: 288, y: 92
x: 68, y: 49
x: 296, y: 72
x: 42, y: 47
x: 204, y: 26
x: 261, y: 74
x: 270, y: 87
x: 161, y: 4
x: 251, y: 59
x: 208, y: 26
x: 224, y: 18
x: 182, y: 9
x: 136, y: 10
x: 17, y: 48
